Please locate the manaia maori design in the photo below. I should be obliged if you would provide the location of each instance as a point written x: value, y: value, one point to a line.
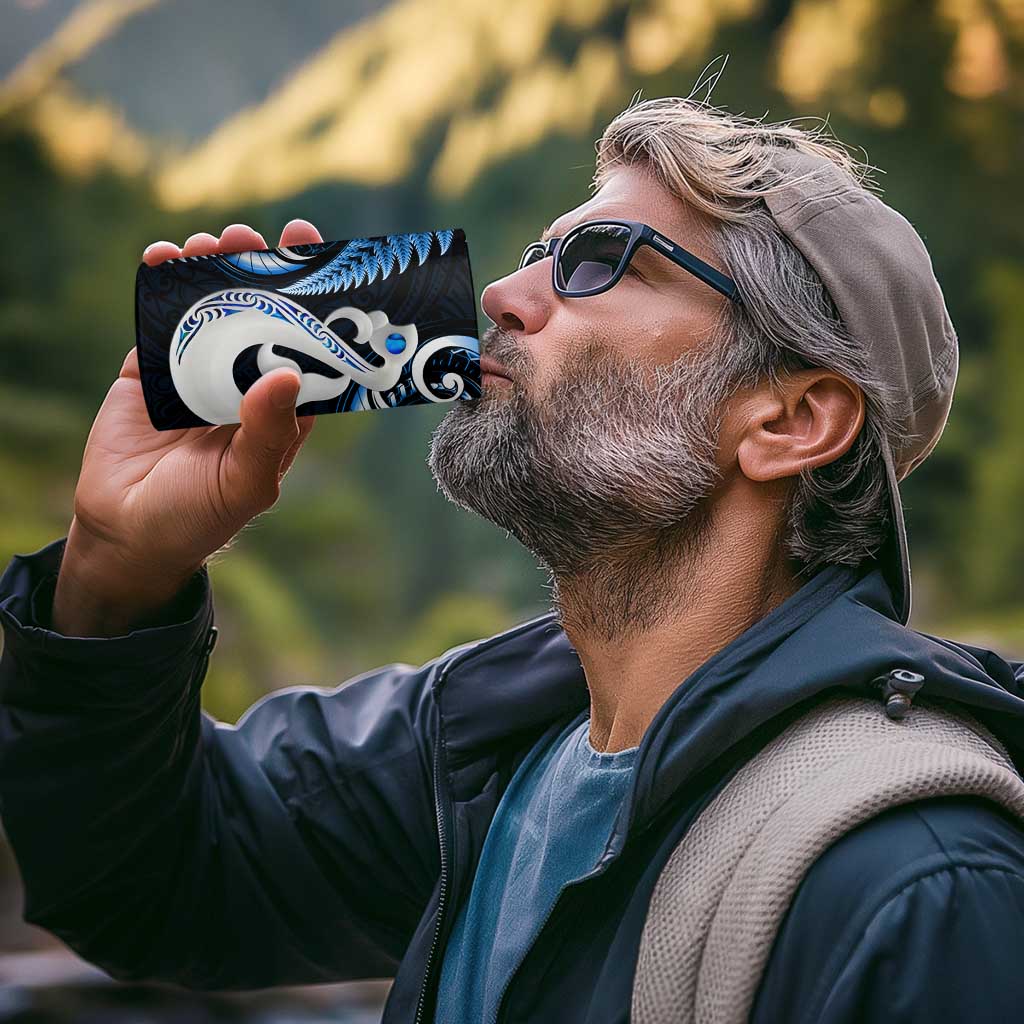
x: 218, y: 328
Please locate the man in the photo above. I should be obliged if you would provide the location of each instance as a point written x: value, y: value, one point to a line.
x: 712, y: 384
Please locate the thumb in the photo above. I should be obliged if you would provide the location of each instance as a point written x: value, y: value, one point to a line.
x: 269, y: 429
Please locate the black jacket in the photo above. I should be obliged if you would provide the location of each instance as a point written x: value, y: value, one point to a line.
x: 332, y: 833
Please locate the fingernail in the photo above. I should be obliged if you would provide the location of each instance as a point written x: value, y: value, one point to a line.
x: 285, y: 393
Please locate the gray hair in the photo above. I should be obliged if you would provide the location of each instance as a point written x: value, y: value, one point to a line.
x: 721, y: 165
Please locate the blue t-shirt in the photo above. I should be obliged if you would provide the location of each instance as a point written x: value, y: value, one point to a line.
x: 550, y: 827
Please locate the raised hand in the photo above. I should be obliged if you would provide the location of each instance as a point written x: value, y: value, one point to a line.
x: 151, y: 506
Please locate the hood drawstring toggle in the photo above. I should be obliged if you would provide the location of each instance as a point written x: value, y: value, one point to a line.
x: 899, y: 687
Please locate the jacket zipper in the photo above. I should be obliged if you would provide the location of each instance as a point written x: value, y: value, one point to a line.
x: 441, y: 831
x: 439, y: 806
x: 443, y: 886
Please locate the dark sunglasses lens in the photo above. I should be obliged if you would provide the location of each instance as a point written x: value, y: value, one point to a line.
x: 531, y: 254
x: 591, y: 256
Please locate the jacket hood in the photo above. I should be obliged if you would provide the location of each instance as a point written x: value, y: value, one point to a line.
x: 839, y: 632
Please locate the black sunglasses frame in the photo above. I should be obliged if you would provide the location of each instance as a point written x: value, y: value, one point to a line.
x: 639, y: 234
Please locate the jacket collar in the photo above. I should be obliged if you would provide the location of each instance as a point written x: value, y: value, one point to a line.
x: 840, y: 630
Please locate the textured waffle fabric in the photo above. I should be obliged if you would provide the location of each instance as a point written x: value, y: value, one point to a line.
x: 722, y: 895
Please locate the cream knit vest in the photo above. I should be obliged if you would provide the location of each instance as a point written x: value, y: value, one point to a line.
x: 722, y: 894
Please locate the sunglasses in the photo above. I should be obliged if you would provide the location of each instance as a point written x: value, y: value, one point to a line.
x: 594, y: 255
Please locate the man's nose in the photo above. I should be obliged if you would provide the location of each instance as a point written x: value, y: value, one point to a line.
x: 520, y: 301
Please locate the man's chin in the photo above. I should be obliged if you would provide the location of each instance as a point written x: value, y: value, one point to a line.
x: 466, y: 445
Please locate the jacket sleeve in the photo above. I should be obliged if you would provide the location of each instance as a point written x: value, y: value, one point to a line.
x: 298, y: 846
x: 914, y: 918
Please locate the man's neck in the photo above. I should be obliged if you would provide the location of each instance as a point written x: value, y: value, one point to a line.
x: 642, y: 624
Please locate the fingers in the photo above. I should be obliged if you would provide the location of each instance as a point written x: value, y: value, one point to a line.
x: 202, y: 243
x: 234, y: 238
x: 157, y: 252
x: 240, y: 238
x: 299, y: 232
x: 269, y: 429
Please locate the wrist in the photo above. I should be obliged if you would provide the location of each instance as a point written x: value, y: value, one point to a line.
x: 100, y: 591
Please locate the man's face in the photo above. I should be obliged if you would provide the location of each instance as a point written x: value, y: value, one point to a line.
x: 603, y: 441
x: 655, y: 313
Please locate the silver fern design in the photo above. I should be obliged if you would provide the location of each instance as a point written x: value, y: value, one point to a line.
x: 215, y: 331
x: 361, y: 262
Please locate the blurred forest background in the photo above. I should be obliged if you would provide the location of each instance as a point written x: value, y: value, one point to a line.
x: 127, y: 121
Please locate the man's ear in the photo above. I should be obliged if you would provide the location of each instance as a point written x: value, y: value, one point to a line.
x: 810, y: 420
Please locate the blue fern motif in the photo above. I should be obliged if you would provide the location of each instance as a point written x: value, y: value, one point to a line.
x: 364, y: 260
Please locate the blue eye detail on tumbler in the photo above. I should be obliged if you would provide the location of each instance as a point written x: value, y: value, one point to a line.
x: 395, y: 343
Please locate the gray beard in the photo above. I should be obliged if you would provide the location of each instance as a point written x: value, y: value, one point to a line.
x: 605, y: 479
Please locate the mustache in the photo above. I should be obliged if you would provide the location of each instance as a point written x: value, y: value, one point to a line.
x: 501, y: 346
x: 603, y: 367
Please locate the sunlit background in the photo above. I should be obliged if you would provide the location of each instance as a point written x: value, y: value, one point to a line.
x: 127, y: 121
